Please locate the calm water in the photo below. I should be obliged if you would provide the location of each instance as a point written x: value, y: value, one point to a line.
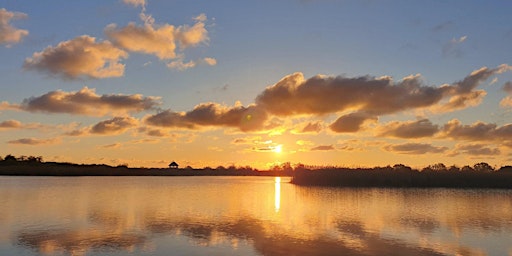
x: 245, y: 216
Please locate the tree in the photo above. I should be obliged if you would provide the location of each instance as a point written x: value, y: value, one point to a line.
x: 454, y: 168
x: 439, y: 167
x: 10, y: 158
x: 483, y: 167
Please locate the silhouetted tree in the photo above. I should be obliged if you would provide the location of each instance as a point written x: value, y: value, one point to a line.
x: 439, y: 167
x: 454, y: 168
x: 10, y: 158
x: 467, y: 168
x: 483, y: 167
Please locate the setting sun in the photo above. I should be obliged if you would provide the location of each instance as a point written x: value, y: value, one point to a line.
x: 278, y: 149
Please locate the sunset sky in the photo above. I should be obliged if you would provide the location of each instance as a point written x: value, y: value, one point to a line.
x: 209, y: 83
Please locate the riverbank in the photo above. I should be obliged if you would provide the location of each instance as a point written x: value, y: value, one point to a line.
x: 392, y: 178
x: 68, y: 169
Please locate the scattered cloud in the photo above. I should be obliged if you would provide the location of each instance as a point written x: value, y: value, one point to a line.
x: 478, y: 131
x: 153, y: 132
x: 209, y: 61
x: 476, y: 150
x: 9, y: 34
x: 81, y: 57
x: 34, y: 141
x: 113, y: 145
x: 309, y: 127
x: 248, y: 118
x: 15, y: 124
x: 160, y: 41
x: 323, y: 148
x: 408, y: 130
x: 247, y: 140
x: 414, y: 148
x: 368, y: 97
x: 507, y: 101
x: 115, y: 125
x: 352, y: 122
x: 11, y: 124
x: 135, y: 3
x: 180, y: 65
x: 304, y: 143
x: 144, y: 39
x: 87, y: 102
x: 363, y: 98
x: 452, y: 49
x: 507, y: 87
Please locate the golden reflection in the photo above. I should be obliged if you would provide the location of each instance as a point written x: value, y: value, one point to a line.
x: 246, y: 216
x: 277, y: 194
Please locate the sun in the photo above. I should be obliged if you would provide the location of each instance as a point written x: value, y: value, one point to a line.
x: 278, y: 149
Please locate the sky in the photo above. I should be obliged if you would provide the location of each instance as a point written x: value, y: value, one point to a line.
x: 257, y: 83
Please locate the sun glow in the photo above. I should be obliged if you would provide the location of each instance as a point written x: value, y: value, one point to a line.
x: 278, y: 149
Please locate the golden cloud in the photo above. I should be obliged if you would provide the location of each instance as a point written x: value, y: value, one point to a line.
x: 81, y: 57
x: 87, y: 102
x: 409, y: 129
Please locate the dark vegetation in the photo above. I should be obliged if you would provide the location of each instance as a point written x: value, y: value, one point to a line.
x: 34, y: 166
x: 480, y: 175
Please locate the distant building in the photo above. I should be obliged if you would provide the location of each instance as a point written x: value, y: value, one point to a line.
x: 173, y: 165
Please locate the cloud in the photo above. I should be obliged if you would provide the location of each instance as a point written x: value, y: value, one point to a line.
x: 294, y: 95
x: 87, y: 102
x: 153, y: 132
x: 11, y: 124
x: 414, y: 148
x: 408, y: 130
x: 457, y: 102
x: 476, y: 150
x: 310, y: 127
x: 507, y: 101
x: 452, y: 49
x: 160, y: 41
x: 144, y: 39
x: 507, y: 87
x: 81, y: 57
x: 4, y: 105
x: 248, y: 118
x: 247, y: 140
x: 135, y: 3
x: 189, y: 36
x: 351, y: 122
x: 181, y: 65
x: 209, y: 61
x: 323, y: 148
x: 360, y: 100
x: 34, y: 141
x: 367, y: 97
x: 478, y: 131
x: 9, y: 34
x: 115, y: 125
x: 113, y: 145
x: 15, y: 124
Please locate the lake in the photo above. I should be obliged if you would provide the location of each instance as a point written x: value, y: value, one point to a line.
x: 245, y: 216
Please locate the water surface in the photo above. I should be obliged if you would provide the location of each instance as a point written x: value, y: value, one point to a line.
x: 245, y: 216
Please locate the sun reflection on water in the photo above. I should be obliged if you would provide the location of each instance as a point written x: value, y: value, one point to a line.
x: 277, y: 194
